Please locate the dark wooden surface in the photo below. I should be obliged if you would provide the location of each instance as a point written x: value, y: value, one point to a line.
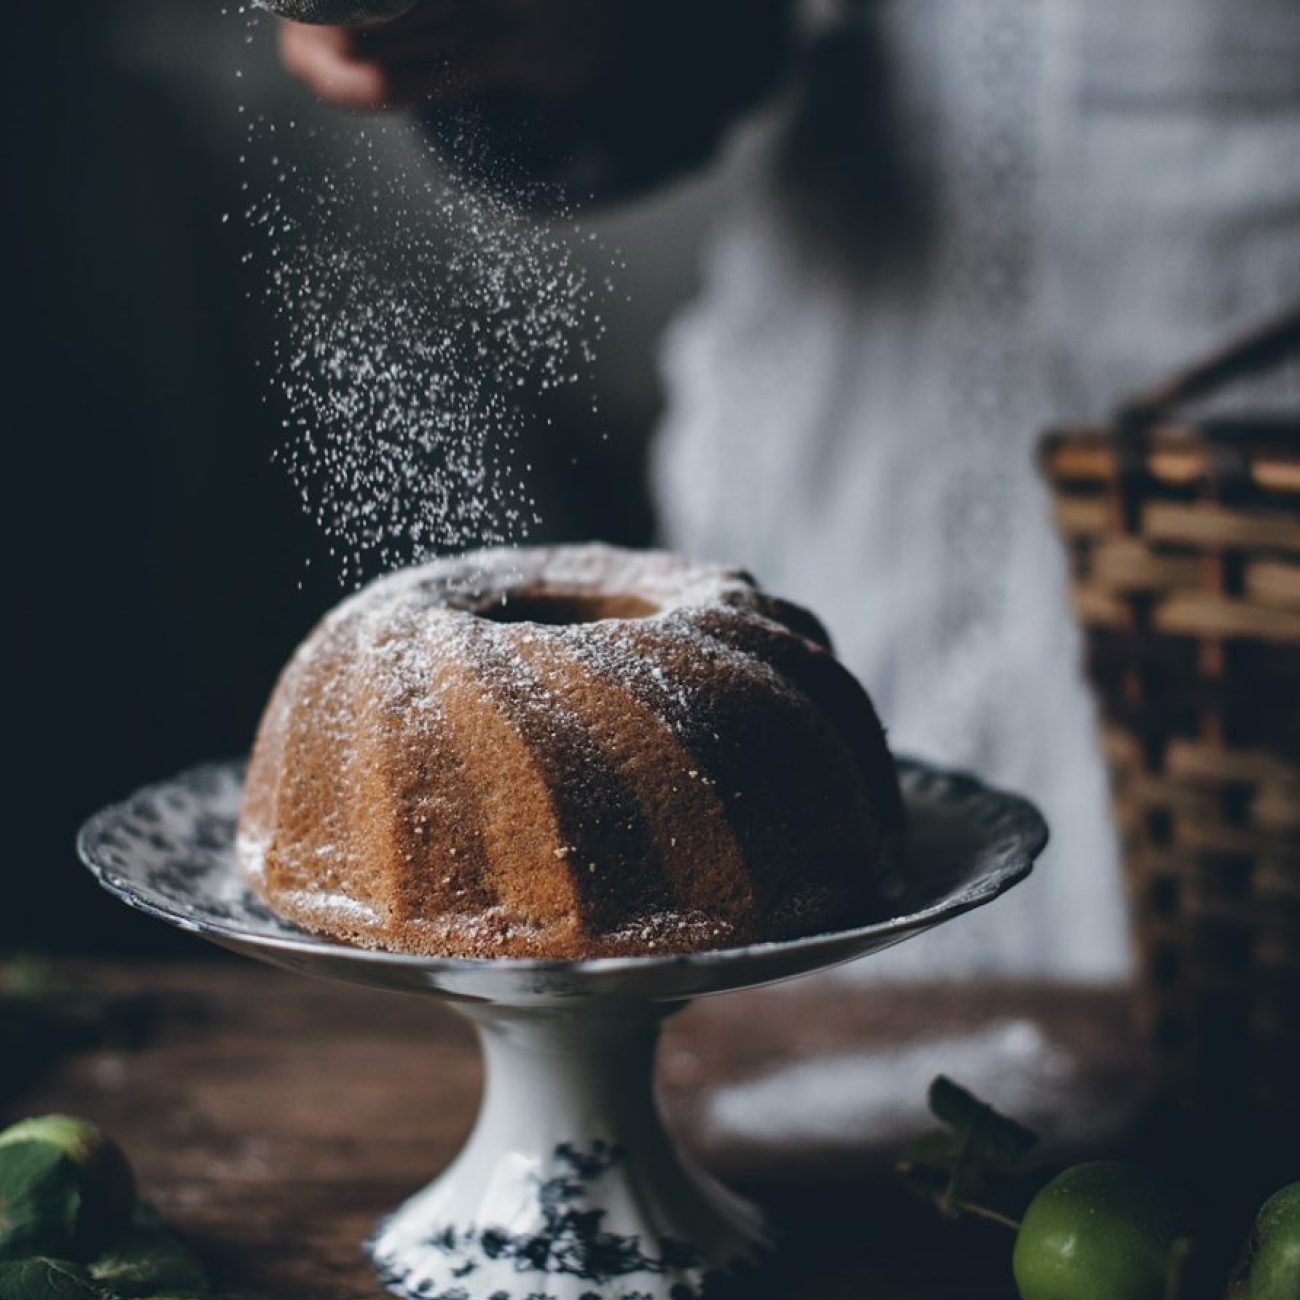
x: 274, y: 1118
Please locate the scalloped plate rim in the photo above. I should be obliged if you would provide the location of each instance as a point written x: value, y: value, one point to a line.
x: 960, y: 897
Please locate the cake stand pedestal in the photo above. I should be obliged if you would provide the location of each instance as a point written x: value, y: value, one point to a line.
x: 569, y: 1187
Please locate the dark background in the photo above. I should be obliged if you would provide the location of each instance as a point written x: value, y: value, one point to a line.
x: 161, y: 568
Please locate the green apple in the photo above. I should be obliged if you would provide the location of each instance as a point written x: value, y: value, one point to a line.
x: 1271, y: 1270
x: 1099, y: 1231
x: 105, y: 1181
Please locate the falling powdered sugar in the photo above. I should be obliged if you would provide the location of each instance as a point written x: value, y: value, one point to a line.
x: 420, y: 321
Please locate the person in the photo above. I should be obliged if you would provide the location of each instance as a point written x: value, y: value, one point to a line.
x: 954, y: 222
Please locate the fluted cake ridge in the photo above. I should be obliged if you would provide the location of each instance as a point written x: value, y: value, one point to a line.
x: 567, y: 752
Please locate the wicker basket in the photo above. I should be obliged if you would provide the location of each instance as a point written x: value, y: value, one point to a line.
x: 1184, y: 540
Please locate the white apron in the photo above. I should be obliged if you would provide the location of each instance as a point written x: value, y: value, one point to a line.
x: 1084, y: 194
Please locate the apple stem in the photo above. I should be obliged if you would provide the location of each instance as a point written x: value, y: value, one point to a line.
x: 952, y: 1202
x: 983, y: 1212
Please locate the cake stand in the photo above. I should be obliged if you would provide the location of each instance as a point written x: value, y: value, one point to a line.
x: 569, y: 1187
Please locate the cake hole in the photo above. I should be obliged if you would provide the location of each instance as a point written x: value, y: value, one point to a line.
x: 559, y: 608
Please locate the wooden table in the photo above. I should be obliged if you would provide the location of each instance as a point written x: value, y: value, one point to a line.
x: 274, y: 1118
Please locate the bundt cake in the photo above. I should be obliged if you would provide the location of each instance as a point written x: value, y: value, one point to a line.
x: 567, y: 752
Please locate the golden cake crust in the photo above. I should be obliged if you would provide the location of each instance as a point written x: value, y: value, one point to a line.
x: 567, y: 752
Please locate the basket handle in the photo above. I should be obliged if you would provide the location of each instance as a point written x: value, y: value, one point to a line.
x: 1258, y: 349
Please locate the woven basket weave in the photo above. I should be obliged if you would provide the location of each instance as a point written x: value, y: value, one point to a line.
x: 1184, y: 540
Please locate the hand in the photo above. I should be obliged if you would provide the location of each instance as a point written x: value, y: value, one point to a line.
x: 448, y: 49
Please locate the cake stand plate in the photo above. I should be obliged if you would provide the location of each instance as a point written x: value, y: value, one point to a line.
x: 569, y: 1187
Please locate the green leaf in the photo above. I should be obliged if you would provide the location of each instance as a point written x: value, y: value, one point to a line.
x: 148, y: 1261
x: 987, y: 1139
x: 40, y: 1198
x: 39, y: 1278
x: 959, y: 1168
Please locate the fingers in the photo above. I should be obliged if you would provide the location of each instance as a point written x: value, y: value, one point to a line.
x: 449, y: 49
x: 374, y: 68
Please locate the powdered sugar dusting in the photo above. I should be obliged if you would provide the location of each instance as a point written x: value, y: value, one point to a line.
x: 389, y: 618
x: 421, y: 625
x: 469, y: 582
x: 420, y: 321
x: 338, y: 908
x: 495, y: 699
